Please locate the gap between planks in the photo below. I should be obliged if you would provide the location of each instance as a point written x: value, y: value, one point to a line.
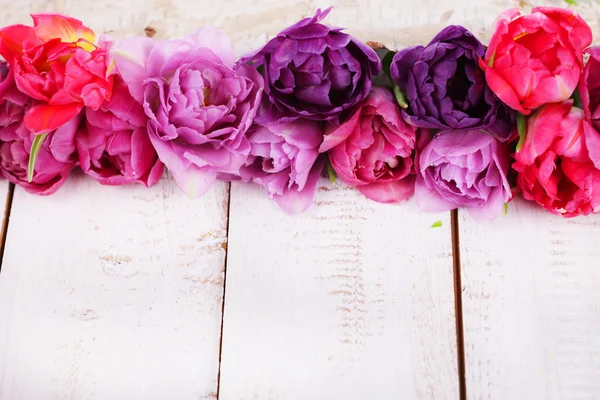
x: 224, y: 291
x: 460, y: 334
x: 5, y: 221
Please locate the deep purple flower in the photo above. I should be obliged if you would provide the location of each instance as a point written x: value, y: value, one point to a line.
x: 314, y: 71
x: 284, y: 159
x: 57, y: 156
x: 462, y: 169
x: 199, y: 107
x: 446, y: 89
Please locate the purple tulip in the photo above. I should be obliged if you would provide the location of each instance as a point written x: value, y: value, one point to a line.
x: 114, y: 148
x: 462, y: 169
x: 284, y: 159
x: 199, y: 107
x: 446, y: 89
x: 373, y: 149
x: 56, y: 157
x: 314, y: 71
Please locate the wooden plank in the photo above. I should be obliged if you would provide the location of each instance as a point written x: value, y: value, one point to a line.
x: 351, y: 300
x: 530, y: 301
x: 112, y: 293
x: 6, y: 192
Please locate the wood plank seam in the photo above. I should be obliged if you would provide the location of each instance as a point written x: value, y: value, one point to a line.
x: 5, y: 221
x: 224, y: 291
x: 460, y: 335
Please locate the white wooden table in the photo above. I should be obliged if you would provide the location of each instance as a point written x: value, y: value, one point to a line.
x: 130, y: 293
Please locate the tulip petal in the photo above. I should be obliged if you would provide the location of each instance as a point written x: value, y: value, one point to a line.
x: 429, y: 200
x: 389, y: 192
x: 592, y: 142
x: 12, y: 39
x: 131, y: 56
x: 215, y: 40
x: 338, y: 134
x: 48, y: 26
x: 297, y: 201
x: 44, y: 118
x: 191, y: 179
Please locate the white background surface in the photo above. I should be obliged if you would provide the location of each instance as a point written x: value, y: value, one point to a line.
x: 117, y: 293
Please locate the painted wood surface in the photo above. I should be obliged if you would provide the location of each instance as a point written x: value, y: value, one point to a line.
x: 112, y: 293
x: 531, y: 303
x: 351, y: 300
x: 116, y: 293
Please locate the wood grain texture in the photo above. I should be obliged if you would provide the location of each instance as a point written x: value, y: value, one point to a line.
x: 531, y: 305
x: 396, y: 23
x: 112, y: 293
x: 351, y: 300
x: 5, y: 203
x: 121, y: 299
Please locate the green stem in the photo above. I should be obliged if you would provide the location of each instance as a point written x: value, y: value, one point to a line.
x: 331, y: 172
x: 522, y: 127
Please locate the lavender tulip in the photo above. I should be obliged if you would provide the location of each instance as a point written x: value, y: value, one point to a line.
x: 314, y: 71
x: 462, y: 169
x: 446, y: 89
x: 199, y: 107
x: 284, y: 159
x: 57, y: 156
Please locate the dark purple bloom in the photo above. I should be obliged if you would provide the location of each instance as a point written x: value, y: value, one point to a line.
x: 445, y: 87
x: 314, y: 71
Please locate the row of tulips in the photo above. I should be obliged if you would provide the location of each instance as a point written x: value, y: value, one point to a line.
x: 453, y: 123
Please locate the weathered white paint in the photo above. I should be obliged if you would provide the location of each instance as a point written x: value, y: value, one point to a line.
x: 351, y: 300
x: 531, y: 305
x: 112, y: 293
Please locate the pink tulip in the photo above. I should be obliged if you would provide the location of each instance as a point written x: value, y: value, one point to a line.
x: 372, y: 150
x: 589, y: 87
x: 537, y: 58
x: 56, y: 157
x: 113, y: 145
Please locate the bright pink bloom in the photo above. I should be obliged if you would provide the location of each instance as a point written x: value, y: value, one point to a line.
x: 589, y: 87
x: 57, y: 155
x: 537, y: 58
x: 113, y: 145
x: 372, y: 150
x: 558, y: 164
x: 56, y: 63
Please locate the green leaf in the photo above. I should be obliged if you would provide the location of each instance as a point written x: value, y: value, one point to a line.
x: 386, y: 62
x: 331, y: 172
x: 33, y: 154
x: 400, y: 97
x: 261, y: 69
x: 571, y: 2
x: 436, y: 224
x: 522, y: 127
x: 505, y: 208
x: 577, y: 99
